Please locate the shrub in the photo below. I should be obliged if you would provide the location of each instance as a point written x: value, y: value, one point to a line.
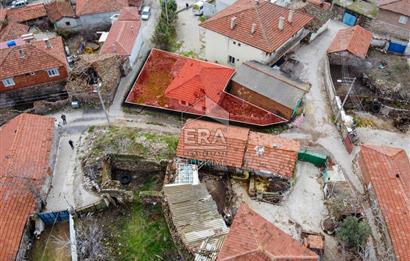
x: 165, y: 32
x: 353, y: 232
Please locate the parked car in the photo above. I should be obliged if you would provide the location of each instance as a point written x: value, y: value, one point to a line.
x: 145, y: 13
x: 18, y: 3
x: 198, y: 8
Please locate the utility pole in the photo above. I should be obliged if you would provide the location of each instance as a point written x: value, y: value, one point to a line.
x: 102, y: 102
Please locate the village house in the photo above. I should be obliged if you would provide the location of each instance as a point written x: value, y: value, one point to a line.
x: 350, y: 46
x: 393, y: 20
x: 31, y: 69
x: 252, y: 237
x: 124, y: 38
x: 268, y: 88
x: 97, y: 13
x: 61, y: 14
x: 386, y: 176
x: 181, y: 84
x: 253, y: 30
x: 238, y: 150
x: 360, y: 12
x: 28, y: 143
x: 32, y: 14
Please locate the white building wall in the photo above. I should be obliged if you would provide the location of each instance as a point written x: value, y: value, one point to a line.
x: 219, y: 47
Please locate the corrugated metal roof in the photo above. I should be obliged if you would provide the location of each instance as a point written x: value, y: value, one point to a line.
x: 270, y: 83
x: 195, y: 216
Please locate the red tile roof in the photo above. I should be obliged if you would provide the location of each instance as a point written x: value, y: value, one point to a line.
x: 36, y: 57
x: 129, y: 14
x: 85, y: 7
x: 197, y: 80
x: 397, y: 6
x: 123, y: 33
x: 26, y: 13
x: 217, y: 143
x: 3, y: 14
x: 271, y: 154
x: 167, y: 77
x: 387, y: 169
x: 251, y: 237
x: 25, y: 143
x: 13, y: 31
x: 59, y: 9
x: 355, y: 39
x: 265, y: 15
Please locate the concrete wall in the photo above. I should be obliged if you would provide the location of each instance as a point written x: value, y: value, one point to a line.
x: 219, y: 47
x: 39, y: 77
x: 73, y: 23
x: 95, y: 21
x: 222, y: 4
x: 136, y: 48
x: 260, y: 100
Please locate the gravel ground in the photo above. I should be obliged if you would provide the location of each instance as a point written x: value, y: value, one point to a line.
x: 303, y: 205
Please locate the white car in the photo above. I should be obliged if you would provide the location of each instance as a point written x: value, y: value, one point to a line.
x: 19, y: 3
x: 145, y: 13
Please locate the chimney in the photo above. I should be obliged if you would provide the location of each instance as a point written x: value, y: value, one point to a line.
x: 259, y: 150
x: 257, y: 2
x: 290, y: 16
x: 233, y: 22
x: 253, y: 29
x: 22, y: 54
x: 281, y: 24
x: 48, y: 44
x: 27, y: 37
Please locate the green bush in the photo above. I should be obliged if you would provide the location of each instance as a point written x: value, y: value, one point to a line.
x: 353, y: 232
x: 165, y: 32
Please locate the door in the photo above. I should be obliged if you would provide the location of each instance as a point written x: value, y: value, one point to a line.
x: 349, y: 19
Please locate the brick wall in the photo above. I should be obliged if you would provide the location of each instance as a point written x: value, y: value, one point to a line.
x: 392, y: 18
x: 259, y: 100
x: 40, y: 77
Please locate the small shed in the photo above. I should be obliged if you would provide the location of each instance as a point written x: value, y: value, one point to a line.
x: 268, y: 88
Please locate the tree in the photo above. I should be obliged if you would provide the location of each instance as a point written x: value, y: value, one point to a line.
x: 353, y: 232
x: 165, y: 32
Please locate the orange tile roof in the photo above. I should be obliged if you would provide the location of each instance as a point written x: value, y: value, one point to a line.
x: 3, y: 14
x: 355, y: 39
x: 13, y: 31
x: 265, y: 15
x: 251, y: 237
x: 59, y: 9
x: 208, y: 141
x: 387, y: 169
x: 85, y: 7
x: 36, y: 57
x: 397, y: 6
x: 199, y: 79
x: 25, y: 143
x: 26, y: 13
x: 123, y: 33
x: 279, y: 154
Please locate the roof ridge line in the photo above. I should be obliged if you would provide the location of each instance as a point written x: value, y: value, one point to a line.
x: 262, y: 26
x: 46, y: 52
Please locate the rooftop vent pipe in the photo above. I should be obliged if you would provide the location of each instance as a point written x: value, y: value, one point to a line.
x: 233, y: 22
x: 253, y: 29
x: 290, y: 16
x: 281, y: 24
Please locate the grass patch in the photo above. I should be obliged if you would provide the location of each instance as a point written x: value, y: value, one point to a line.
x: 123, y: 140
x: 362, y: 122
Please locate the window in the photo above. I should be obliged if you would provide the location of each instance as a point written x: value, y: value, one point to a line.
x: 234, y: 42
x: 53, y: 72
x: 403, y: 19
x: 183, y: 103
x: 239, y: 44
x: 68, y: 23
x: 8, y: 82
x: 231, y: 59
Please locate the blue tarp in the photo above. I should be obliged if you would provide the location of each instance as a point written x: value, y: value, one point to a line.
x: 349, y: 19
